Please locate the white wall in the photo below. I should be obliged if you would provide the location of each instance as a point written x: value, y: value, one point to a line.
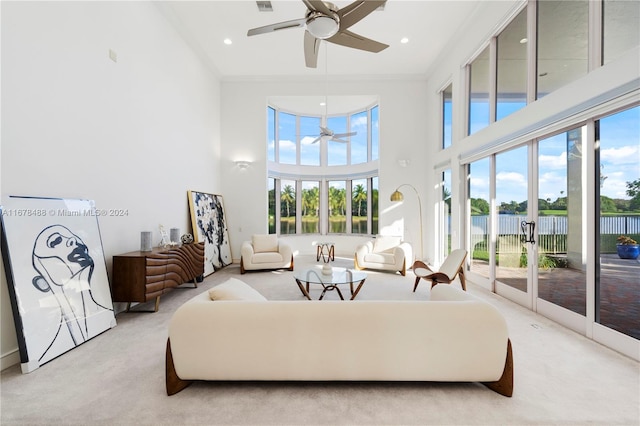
x: 135, y: 134
x: 402, y: 136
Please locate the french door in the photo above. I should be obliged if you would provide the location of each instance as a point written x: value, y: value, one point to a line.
x: 527, y: 216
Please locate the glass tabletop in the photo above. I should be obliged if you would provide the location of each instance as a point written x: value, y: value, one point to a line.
x: 339, y: 275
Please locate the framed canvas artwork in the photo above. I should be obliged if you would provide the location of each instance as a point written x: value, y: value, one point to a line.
x: 56, y: 274
x: 209, y: 224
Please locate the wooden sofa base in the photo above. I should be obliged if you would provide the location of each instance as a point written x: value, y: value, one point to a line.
x: 503, y: 386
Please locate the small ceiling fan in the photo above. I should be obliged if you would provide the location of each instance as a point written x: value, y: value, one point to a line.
x: 331, y: 136
x: 325, y: 21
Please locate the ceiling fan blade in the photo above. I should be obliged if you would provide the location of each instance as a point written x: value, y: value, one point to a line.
x: 357, y: 10
x: 317, y: 139
x: 343, y: 135
x: 325, y: 131
x: 296, y: 23
x: 311, y: 48
x: 355, y: 41
x: 334, y: 139
x: 318, y: 6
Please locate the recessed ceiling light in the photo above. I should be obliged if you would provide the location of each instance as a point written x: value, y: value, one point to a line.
x: 524, y: 40
x: 404, y: 40
x: 227, y: 41
x: 322, y: 103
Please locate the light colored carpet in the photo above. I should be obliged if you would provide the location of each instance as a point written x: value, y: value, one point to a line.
x: 117, y: 378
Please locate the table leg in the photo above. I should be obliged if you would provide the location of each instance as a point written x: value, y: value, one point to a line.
x: 302, y: 289
x: 354, y: 294
x: 329, y: 288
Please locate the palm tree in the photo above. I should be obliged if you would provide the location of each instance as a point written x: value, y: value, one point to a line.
x: 288, y: 197
x: 359, y: 195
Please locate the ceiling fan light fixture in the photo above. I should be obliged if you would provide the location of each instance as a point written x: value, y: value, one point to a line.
x: 322, y: 26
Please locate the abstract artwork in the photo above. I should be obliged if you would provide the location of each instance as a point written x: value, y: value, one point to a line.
x: 209, y: 224
x: 56, y: 274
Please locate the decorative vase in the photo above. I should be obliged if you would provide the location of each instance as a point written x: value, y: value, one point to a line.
x: 327, y: 269
x: 186, y: 239
x: 628, y: 251
x: 145, y: 241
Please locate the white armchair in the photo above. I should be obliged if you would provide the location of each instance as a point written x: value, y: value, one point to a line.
x: 265, y: 252
x: 385, y: 252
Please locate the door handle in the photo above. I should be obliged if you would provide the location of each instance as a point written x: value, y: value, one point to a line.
x: 528, y: 231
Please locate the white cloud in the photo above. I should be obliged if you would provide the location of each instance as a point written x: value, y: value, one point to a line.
x: 287, y: 145
x: 623, y: 155
x: 511, y: 179
x: 552, y: 161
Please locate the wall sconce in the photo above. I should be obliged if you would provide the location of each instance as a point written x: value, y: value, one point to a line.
x: 404, y: 163
x: 399, y: 196
x: 243, y: 164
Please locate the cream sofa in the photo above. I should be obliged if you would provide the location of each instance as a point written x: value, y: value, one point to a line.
x: 385, y: 252
x: 265, y: 251
x: 455, y: 337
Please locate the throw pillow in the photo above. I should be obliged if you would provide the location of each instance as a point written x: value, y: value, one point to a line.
x: 264, y: 243
x: 385, y: 242
x: 234, y: 289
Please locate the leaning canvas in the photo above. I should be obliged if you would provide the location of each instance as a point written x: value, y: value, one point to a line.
x: 56, y: 274
x: 209, y: 224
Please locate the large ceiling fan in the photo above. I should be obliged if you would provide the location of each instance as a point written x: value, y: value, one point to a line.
x: 325, y: 21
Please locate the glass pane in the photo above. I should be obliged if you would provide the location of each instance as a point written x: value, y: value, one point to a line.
x: 271, y: 189
x: 359, y: 198
x: 287, y: 138
x: 479, y: 92
x: 310, y: 207
x: 309, y: 152
x: 561, y: 244
x: 375, y: 133
x: 511, y: 203
x: 337, y: 207
x: 479, y: 180
x: 287, y: 207
x: 271, y: 134
x: 337, y: 151
x: 359, y: 125
x: 562, y: 43
x: 621, y: 31
x: 374, y: 206
x: 446, y: 214
x: 618, y: 274
x: 512, y: 67
x: 447, y: 114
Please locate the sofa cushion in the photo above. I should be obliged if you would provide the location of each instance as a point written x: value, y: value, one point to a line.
x: 234, y: 289
x: 271, y: 257
x: 264, y: 243
x: 380, y: 258
x: 386, y: 242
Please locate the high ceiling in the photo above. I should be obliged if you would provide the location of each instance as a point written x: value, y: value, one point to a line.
x: 428, y: 25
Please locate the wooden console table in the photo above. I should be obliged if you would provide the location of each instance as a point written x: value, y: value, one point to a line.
x: 141, y: 276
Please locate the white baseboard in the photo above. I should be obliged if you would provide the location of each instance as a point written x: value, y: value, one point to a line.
x: 9, y: 359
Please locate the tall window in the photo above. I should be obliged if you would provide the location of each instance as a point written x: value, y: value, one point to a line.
x: 621, y: 31
x: 337, y: 197
x: 309, y: 151
x: 447, y: 114
x: 619, y: 214
x: 375, y: 133
x: 359, y: 206
x: 287, y: 138
x: 562, y: 43
x: 271, y: 134
x: 326, y: 195
x: 310, y: 207
x: 512, y: 67
x: 479, y: 197
x: 479, y: 107
x: 287, y: 207
x: 337, y: 151
x: 359, y: 126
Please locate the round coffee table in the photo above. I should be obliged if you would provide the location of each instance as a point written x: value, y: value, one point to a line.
x: 339, y: 276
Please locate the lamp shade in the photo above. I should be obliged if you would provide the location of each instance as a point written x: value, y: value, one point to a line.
x: 396, y: 196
